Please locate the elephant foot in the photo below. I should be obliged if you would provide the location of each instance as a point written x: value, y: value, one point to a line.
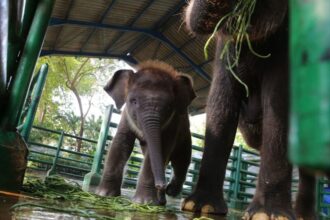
x: 256, y: 211
x: 173, y: 188
x: 107, y: 190
x: 205, y: 202
x: 305, y: 212
x: 149, y: 196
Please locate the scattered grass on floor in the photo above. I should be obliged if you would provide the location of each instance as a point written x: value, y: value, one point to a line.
x: 62, y: 196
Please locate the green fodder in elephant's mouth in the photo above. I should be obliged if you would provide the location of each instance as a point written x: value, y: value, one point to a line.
x: 61, y: 196
x: 236, y: 24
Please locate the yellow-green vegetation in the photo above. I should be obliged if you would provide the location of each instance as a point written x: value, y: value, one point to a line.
x: 236, y: 24
x: 59, y: 195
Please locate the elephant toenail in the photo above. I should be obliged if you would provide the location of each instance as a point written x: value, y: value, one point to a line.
x: 208, y: 209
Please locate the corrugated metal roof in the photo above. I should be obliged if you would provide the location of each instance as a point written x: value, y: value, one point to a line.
x: 133, y: 31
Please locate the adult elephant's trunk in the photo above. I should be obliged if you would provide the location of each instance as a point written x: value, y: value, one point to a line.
x: 201, y: 16
x: 152, y: 132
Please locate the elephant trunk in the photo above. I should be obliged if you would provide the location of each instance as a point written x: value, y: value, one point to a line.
x: 152, y: 131
x: 202, y: 16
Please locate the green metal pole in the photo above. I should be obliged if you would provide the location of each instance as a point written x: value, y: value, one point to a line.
x: 93, y: 178
x: 310, y: 83
x: 238, y: 177
x: 21, y: 81
x: 21, y: 16
x: 57, y: 154
x: 27, y: 102
x: 42, y: 75
x: 233, y: 200
x: 4, y: 17
x: 318, y: 196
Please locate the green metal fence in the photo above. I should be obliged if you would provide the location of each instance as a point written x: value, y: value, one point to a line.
x: 323, y: 198
x: 57, y: 157
x: 240, y: 181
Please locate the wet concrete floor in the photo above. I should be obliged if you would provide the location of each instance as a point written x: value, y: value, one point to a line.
x: 7, y: 200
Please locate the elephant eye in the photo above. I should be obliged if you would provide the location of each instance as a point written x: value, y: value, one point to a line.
x: 133, y: 101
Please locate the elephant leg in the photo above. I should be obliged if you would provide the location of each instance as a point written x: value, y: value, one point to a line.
x: 146, y: 192
x: 273, y: 193
x: 272, y: 199
x: 119, y: 152
x: 180, y: 161
x: 222, y: 119
x: 305, y: 202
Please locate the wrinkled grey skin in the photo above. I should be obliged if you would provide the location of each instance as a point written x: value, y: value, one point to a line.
x: 262, y: 117
x: 155, y: 114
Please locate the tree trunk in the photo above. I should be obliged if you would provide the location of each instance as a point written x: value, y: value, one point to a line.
x: 42, y: 113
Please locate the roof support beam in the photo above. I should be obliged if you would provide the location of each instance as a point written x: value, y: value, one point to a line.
x: 126, y: 58
x: 145, y: 8
x: 159, y: 24
x: 150, y: 33
x: 172, y: 53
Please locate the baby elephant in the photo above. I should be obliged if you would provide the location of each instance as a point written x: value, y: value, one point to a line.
x: 156, y: 98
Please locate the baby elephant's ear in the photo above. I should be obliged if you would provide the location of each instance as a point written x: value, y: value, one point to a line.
x: 118, y: 86
x: 185, y: 91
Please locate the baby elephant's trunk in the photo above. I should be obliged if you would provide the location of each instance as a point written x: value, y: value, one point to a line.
x: 152, y: 131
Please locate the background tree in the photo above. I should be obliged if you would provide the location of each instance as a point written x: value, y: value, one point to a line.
x: 70, y: 89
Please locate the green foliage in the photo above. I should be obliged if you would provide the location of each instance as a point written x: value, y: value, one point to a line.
x: 71, y: 86
x: 63, y: 196
x: 237, y: 23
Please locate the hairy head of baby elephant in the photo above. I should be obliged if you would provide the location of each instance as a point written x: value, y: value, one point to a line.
x: 157, y: 98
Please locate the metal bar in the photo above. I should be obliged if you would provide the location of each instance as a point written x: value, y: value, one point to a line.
x: 93, y: 178
x: 21, y: 80
x: 188, y: 68
x: 57, y: 154
x: 153, y: 34
x: 34, y: 153
x: 20, y: 8
x: 27, y: 102
x: 23, y: 10
x: 42, y: 75
x: 130, y: 24
x: 234, y: 200
x: 198, y: 70
x: 127, y: 58
x: 170, y: 54
x: 310, y: 84
x: 4, y: 18
x: 102, y: 140
x: 60, y: 22
x: 63, y: 150
x: 65, y: 134
x: 158, y: 25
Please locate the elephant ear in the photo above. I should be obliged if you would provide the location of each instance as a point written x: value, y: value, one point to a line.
x: 185, y: 92
x: 118, y: 86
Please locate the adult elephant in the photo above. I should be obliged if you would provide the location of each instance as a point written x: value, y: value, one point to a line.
x: 262, y: 117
